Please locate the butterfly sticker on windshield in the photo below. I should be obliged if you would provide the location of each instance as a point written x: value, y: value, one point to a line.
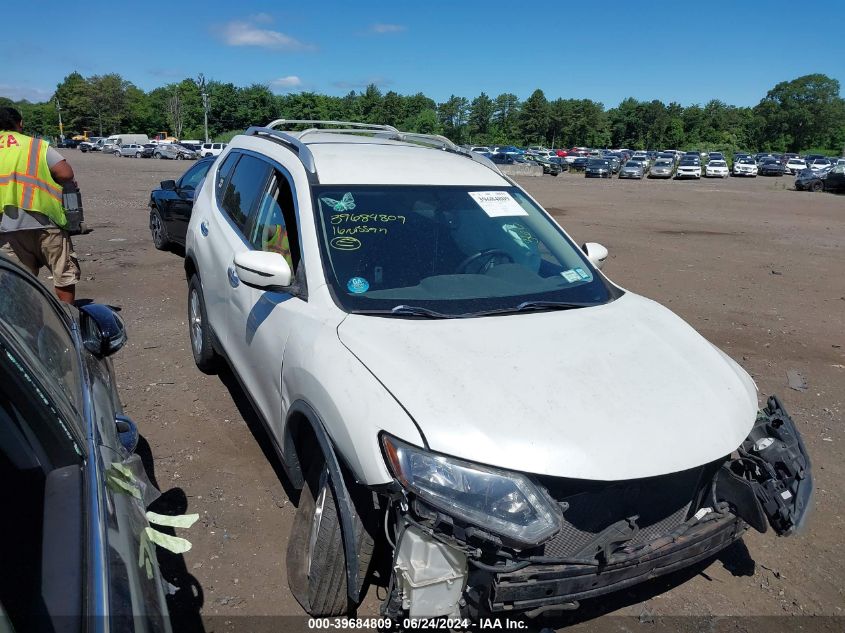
x: 347, y: 203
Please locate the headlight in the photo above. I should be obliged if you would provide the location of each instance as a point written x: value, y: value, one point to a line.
x: 505, y: 503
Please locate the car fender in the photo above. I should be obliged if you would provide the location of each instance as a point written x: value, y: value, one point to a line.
x: 353, y: 405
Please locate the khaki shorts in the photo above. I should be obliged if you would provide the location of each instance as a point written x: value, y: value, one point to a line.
x: 43, y: 247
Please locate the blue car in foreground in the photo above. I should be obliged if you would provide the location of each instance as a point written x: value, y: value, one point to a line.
x: 77, y: 549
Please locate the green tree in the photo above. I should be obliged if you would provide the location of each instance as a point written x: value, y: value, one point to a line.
x: 481, y: 116
x: 534, y: 118
x: 505, y: 113
x: 802, y: 113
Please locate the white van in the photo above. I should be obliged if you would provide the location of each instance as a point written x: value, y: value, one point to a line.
x: 126, y: 139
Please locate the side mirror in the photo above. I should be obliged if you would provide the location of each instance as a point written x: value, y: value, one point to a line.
x: 263, y: 270
x: 596, y: 253
x: 103, y: 331
x: 168, y: 185
x: 127, y: 432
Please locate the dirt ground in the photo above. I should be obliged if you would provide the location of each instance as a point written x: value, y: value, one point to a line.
x: 756, y: 267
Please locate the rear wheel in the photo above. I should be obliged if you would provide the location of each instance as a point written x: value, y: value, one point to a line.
x: 202, y: 347
x: 157, y: 155
x: 316, y: 562
x: 818, y: 185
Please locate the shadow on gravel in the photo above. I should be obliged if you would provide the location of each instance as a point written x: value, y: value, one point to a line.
x: 185, y: 604
x: 735, y: 558
x: 258, y: 430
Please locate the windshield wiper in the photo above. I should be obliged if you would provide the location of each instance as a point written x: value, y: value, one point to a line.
x: 527, y: 306
x: 405, y: 310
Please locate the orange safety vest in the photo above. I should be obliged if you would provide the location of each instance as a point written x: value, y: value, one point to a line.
x: 25, y: 179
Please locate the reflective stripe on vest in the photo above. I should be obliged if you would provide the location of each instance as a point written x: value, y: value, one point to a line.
x: 25, y: 178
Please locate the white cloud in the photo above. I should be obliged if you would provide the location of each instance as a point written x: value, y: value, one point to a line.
x: 243, y: 33
x: 382, y: 28
x: 261, y: 18
x: 286, y: 83
x: 25, y: 93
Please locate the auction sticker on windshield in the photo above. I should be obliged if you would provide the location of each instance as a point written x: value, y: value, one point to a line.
x: 497, y: 204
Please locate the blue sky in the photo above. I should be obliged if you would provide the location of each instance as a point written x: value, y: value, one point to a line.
x: 606, y: 51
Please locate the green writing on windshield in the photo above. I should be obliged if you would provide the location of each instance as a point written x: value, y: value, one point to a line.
x: 342, y: 218
x: 361, y: 228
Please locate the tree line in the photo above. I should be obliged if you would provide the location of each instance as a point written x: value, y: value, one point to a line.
x: 804, y: 114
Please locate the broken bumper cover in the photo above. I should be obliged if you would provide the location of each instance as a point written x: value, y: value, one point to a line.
x: 772, y: 480
x: 541, y: 586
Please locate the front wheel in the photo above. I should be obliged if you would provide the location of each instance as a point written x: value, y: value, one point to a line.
x: 179, y: 157
x: 137, y: 154
x: 161, y: 240
x: 817, y: 186
x: 158, y: 156
x: 202, y: 347
x: 316, y: 562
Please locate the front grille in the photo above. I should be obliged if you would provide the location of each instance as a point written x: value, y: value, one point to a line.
x: 660, y: 504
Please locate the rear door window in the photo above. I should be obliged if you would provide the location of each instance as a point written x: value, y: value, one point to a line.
x: 243, y: 188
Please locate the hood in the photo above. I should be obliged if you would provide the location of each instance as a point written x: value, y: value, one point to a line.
x: 618, y: 391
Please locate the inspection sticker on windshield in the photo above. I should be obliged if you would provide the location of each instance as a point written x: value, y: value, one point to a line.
x: 497, y: 204
x: 571, y: 276
x: 357, y: 285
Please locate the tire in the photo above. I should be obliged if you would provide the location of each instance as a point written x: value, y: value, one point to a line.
x: 202, y: 347
x: 137, y: 154
x: 117, y: 154
x: 157, y: 155
x: 180, y: 157
x: 161, y: 240
x: 817, y: 186
x: 316, y: 563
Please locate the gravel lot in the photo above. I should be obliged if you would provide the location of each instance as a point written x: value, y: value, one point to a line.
x: 757, y: 268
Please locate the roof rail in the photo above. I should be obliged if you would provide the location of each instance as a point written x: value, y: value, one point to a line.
x: 349, y: 124
x: 300, y: 148
x: 351, y: 127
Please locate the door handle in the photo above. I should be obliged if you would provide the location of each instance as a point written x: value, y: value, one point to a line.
x: 233, y: 277
x: 204, y: 228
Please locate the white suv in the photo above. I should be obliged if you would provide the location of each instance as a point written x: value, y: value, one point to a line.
x: 212, y: 149
x: 455, y: 385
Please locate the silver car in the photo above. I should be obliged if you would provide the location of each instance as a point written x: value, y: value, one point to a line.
x: 662, y: 168
x: 132, y: 150
x: 632, y: 169
x: 174, y: 152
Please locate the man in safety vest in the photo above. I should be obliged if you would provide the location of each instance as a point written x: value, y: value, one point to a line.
x: 32, y: 218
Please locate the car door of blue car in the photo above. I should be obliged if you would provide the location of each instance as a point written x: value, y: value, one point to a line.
x: 70, y: 542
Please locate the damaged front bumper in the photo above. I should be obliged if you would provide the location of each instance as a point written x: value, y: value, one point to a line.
x: 612, y: 534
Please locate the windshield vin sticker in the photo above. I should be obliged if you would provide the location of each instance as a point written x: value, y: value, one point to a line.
x: 497, y: 204
x: 571, y: 276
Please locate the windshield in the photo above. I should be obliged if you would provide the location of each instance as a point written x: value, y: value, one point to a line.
x: 598, y: 162
x: 455, y: 251
x: 662, y: 163
x: 718, y: 163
